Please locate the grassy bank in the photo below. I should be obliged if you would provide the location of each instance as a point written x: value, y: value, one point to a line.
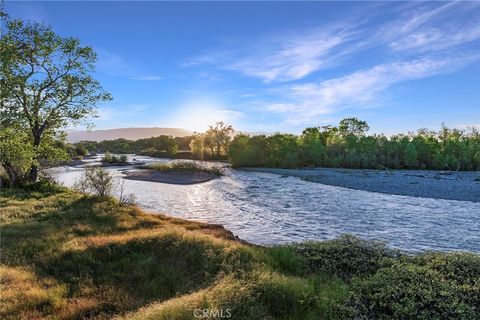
x: 70, y: 256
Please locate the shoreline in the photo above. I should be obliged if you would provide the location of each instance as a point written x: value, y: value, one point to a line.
x: 446, y: 185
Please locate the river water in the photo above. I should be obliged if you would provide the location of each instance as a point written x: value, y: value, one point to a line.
x: 266, y: 208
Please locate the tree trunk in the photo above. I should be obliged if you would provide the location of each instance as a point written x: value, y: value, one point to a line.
x: 11, y: 173
x: 33, y: 174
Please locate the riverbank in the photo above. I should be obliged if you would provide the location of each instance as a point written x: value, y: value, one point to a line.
x: 67, y: 256
x: 449, y: 185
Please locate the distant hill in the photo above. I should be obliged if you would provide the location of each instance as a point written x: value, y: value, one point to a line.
x: 127, y: 133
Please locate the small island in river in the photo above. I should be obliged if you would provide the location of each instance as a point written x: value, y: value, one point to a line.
x: 172, y: 177
x: 177, y: 172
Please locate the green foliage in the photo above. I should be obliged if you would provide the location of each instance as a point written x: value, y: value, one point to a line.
x: 346, y: 257
x: 154, y: 146
x: 353, y: 126
x: 96, y: 180
x: 213, y: 144
x: 348, y: 146
x: 410, y: 291
x: 411, y: 156
x: 16, y: 153
x: 46, y: 84
x: 113, y: 159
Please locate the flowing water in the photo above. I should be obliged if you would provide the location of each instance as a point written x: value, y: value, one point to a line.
x: 265, y: 208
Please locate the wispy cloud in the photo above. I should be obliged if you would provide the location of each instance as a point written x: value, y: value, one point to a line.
x: 360, y: 89
x: 296, y: 55
x: 285, y: 57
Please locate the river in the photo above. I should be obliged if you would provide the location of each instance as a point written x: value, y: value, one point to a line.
x: 267, y: 208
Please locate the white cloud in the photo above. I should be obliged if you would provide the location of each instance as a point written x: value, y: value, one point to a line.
x: 414, y: 29
x: 292, y: 58
x: 435, y: 39
x: 359, y: 89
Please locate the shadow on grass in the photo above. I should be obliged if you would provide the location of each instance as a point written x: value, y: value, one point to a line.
x: 132, y: 274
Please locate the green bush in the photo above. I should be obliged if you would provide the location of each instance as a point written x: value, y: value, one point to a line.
x: 109, y: 158
x: 346, y: 257
x: 460, y: 269
x: 45, y: 184
x: 407, y: 291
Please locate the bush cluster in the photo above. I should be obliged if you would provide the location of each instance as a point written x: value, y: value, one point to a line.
x: 388, y: 284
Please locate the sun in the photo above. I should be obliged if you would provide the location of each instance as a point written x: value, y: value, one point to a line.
x: 199, y: 114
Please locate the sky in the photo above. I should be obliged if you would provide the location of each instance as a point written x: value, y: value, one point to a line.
x: 278, y: 66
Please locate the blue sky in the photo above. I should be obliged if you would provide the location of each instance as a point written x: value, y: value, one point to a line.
x: 283, y: 66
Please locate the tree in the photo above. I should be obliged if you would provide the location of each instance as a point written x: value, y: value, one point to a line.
x: 353, y: 126
x: 45, y: 82
x: 313, y: 149
x: 197, y: 145
x: 220, y: 135
x: 16, y: 153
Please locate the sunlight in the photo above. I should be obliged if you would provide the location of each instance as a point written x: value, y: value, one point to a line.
x: 199, y: 113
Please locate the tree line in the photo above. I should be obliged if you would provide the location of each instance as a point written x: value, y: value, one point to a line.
x: 344, y: 146
x: 348, y: 146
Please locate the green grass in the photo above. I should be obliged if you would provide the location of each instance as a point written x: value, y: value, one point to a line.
x: 70, y: 256
x: 183, y: 166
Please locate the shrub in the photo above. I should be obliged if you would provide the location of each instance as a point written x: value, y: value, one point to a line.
x: 346, y: 256
x: 46, y: 184
x: 406, y: 291
x: 460, y: 269
x: 109, y: 158
x: 96, y: 180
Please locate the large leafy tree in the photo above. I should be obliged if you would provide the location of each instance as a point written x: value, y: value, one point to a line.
x: 220, y: 137
x: 46, y: 82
